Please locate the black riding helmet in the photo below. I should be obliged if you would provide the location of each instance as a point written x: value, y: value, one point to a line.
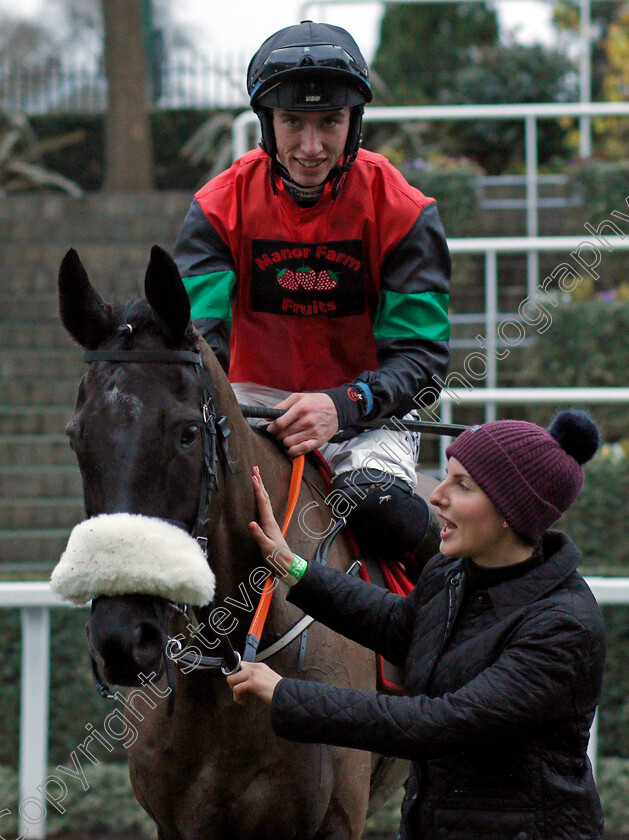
x: 309, y: 67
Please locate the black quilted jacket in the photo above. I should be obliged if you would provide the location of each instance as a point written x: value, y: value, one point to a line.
x: 499, y: 706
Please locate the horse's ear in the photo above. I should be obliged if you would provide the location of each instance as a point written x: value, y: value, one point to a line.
x: 166, y: 293
x: 84, y: 314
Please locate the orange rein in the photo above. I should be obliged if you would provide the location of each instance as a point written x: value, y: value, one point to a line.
x: 257, y: 624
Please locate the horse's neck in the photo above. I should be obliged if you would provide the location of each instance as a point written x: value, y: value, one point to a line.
x: 233, y: 551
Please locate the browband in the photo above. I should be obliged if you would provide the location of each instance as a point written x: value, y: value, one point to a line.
x: 167, y: 356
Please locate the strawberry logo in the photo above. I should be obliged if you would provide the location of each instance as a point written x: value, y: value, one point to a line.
x: 286, y: 278
x: 306, y: 277
x: 326, y: 280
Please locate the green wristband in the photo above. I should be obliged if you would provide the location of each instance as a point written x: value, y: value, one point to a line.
x: 296, y: 571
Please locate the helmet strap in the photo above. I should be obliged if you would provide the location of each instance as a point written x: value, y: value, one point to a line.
x: 341, y: 172
x: 351, y: 149
x: 267, y: 143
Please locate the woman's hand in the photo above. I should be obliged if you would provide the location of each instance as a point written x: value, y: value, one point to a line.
x: 268, y: 534
x: 254, y: 679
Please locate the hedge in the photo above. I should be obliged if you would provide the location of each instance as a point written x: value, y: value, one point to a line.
x: 109, y: 807
x: 587, y: 346
x: 74, y: 701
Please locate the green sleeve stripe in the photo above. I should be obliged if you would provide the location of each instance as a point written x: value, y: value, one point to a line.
x: 211, y: 295
x: 422, y: 315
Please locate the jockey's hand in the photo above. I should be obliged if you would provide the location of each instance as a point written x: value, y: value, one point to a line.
x: 310, y: 421
x: 268, y: 533
x: 253, y: 679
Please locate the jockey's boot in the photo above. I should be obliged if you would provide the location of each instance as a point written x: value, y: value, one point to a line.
x: 390, y: 520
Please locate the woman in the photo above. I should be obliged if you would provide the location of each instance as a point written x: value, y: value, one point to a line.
x: 501, y: 640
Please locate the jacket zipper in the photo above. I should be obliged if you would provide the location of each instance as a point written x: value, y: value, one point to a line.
x: 453, y: 585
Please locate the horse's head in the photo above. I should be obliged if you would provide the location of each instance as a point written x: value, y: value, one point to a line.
x: 137, y: 427
x: 139, y: 437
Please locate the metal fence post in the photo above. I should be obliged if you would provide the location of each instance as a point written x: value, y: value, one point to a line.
x: 34, y: 719
x: 532, y: 201
x: 491, y: 323
x: 585, y: 77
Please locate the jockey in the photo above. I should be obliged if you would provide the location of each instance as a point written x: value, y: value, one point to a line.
x: 320, y: 279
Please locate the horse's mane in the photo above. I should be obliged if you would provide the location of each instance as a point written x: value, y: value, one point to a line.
x: 146, y: 321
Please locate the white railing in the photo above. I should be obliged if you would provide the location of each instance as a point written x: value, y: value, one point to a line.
x: 493, y: 247
x: 35, y: 600
x: 491, y: 397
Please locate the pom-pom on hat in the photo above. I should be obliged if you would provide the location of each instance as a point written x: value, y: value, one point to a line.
x: 532, y: 475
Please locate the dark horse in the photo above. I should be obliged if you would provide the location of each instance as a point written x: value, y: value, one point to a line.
x: 210, y: 769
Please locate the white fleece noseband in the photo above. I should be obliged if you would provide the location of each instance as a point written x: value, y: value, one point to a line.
x: 125, y: 554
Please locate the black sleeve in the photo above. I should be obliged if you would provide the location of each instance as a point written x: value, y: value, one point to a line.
x: 207, y: 269
x: 361, y: 611
x: 541, y: 674
x: 412, y: 328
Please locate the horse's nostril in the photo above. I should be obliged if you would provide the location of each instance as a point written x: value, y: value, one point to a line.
x: 149, y: 643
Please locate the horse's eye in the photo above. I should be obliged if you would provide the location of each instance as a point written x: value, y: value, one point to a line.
x: 189, y: 436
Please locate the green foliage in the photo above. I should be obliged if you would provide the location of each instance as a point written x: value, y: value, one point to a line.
x: 454, y: 188
x: 108, y: 807
x: 613, y: 787
x: 599, y: 512
x: 614, y: 706
x: 441, y: 54
x: 386, y: 820
x: 9, y: 685
x: 508, y: 73
x: 171, y: 129
x: 423, y: 46
x: 586, y: 346
x: 21, y: 157
x: 74, y: 700
x: 604, y: 186
x: 566, y: 18
x: 83, y: 162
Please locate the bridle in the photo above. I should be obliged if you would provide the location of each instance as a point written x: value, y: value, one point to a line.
x: 214, y: 433
x: 214, y: 426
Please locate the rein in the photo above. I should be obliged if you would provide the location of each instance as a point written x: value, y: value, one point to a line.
x: 259, y: 619
x: 428, y: 426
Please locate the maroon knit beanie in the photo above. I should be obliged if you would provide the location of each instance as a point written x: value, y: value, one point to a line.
x: 532, y: 475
